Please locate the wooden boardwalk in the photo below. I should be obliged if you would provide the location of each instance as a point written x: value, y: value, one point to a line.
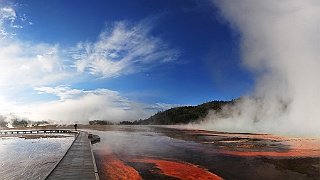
x: 78, y: 163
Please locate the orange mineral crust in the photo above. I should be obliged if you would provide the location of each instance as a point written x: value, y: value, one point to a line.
x: 113, y: 168
x: 272, y: 154
x: 180, y: 170
x: 298, y: 147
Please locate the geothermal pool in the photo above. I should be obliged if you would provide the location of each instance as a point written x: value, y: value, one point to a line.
x: 31, y: 156
x: 162, y: 152
x: 153, y: 152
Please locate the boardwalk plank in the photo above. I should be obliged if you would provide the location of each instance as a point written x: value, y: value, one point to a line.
x: 78, y: 163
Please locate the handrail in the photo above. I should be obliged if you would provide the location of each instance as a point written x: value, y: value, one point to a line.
x: 36, y: 131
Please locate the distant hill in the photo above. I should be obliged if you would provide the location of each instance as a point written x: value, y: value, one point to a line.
x: 181, y: 115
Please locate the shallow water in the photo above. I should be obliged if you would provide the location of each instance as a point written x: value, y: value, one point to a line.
x: 149, y: 152
x: 31, y: 156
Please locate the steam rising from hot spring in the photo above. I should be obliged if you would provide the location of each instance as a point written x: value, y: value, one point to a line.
x: 280, y: 43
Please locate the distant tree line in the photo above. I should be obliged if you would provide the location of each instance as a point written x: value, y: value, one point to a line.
x: 100, y: 122
x: 126, y: 123
x: 181, y: 115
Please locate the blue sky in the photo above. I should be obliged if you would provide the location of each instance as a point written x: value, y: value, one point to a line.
x: 115, y: 60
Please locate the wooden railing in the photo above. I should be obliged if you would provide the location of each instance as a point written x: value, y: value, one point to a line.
x: 37, y: 131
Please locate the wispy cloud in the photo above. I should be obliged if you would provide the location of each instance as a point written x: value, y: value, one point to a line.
x: 41, y: 68
x: 126, y: 49
x: 11, y: 21
x: 7, y: 15
x: 63, y: 92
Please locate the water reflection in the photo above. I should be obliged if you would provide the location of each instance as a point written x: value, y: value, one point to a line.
x: 31, y: 156
x: 152, y: 152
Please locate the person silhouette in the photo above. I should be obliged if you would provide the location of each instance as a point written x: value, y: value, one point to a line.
x: 75, y: 126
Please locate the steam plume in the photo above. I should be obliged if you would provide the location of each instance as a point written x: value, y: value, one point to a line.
x: 280, y: 43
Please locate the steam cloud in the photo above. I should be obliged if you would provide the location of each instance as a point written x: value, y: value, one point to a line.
x: 280, y: 43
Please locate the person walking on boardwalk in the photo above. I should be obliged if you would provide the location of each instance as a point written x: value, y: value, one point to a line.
x: 75, y: 126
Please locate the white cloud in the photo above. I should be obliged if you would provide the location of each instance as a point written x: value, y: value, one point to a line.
x: 41, y: 68
x: 7, y: 18
x: 28, y: 65
x: 17, y: 26
x: 80, y: 106
x: 77, y: 105
x: 63, y: 92
x: 7, y: 13
x: 126, y: 49
x: 11, y: 21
